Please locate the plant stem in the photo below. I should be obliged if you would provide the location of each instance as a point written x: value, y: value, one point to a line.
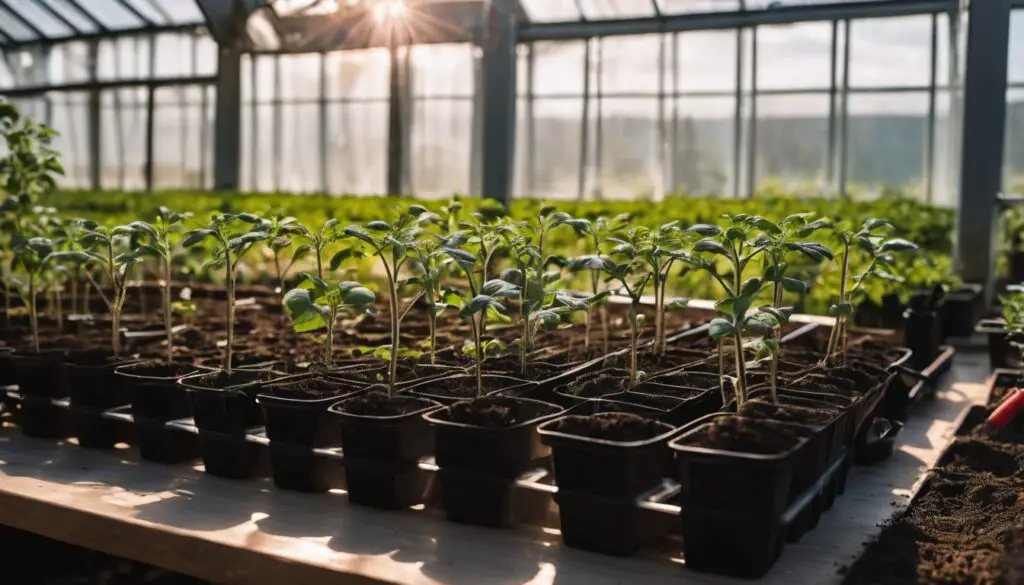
x: 432, y: 323
x: 634, y: 339
x: 229, y: 274
x: 657, y: 310
x: 833, y: 339
x: 395, y: 318
x: 741, y: 371
x: 59, y: 305
x: 774, y: 377
x: 319, y: 266
x: 329, y: 345
x: 477, y: 319
x: 664, y: 327
x: 32, y: 313
x: 721, y: 372
x: 74, y: 291
x: 167, y: 310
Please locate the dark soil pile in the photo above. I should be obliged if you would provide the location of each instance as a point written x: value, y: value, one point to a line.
x: 380, y: 404
x: 748, y: 435
x: 613, y: 426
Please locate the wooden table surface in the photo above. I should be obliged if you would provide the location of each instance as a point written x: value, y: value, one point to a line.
x: 225, y: 531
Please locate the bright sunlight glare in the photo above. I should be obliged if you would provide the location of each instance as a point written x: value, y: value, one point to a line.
x: 389, y: 10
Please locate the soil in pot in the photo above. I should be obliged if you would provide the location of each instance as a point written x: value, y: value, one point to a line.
x: 612, y: 426
x: 448, y: 389
x: 381, y: 405
x: 746, y: 435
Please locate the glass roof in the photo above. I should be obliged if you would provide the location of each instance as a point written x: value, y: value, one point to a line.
x: 41, y: 20
x: 570, y: 10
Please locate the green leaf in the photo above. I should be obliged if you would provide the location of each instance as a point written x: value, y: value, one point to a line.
x: 710, y: 246
x: 379, y: 226
x: 142, y: 226
x: 678, y: 305
x: 356, y: 295
x: 359, y: 233
x: 751, y: 287
x: 781, y: 314
x: 705, y: 229
x: 794, y: 285
x: 767, y: 226
x: 897, y: 245
x: 476, y: 305
x: 301, y: 252
x: 873, y: 224
x: 306, y: 316
x: 499, y: 288
x: 249, y: 218
x: 720, y: 328
x: 195, y: 236
x: 760, y: 324
x: 841, y: 310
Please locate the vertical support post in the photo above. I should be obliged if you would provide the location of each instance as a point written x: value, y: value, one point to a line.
x: 93, y: 116
x: 752, y: 136
x: 322, y: 105
x: 476, y: 162
x: 984, y: 126
x: 929, y: 132
x: 844, y: 111
x: 830, y: 163
x: 150, y: 169
x: 737, y: 130
x: 227, y: 141
x: 396, y: 133
x: 581, y: 178
x: 662, y: 134
x: 531, y: 124
x: 500, y: 73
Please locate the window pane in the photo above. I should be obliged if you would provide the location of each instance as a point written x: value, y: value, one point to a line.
x: 180, y: 11
x: 558, y: 68
x: 264, y: 78
x: 1014, y: 175
x: 1016, y: 46
x: 14, y: 28
x: 617, y: 8
x: 147, y: 9
x: 124, y: 58
x: 173, y: 55
x: 890, y: 51
x: 112, y: 14
x: 630, y: 64
x: 630, y: 164
x: 40, y: 18
x: 180, y: 159
x: 946, y: 164
x: 794, y: 56
x: 300, y: 148
x: 443, y: 70
x: 702, y: 151
x: 81, y: 22
x: 123, y: 144
x: 556, y: 152
x: 206, y: 55
x: 357, y: 147
x: 71, y: 120
x: 706, y: 61
x: 792, y: 143
x: 69, y: 63
x: 265, y: 144
x: 688, y: 6
x: 441, y: 149
x: 551, y: 10
x: 885, y: 142
x: 358, y: 74
x: 300, y: 77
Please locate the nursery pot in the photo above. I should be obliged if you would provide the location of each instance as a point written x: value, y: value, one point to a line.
x: 1000, y: 353
x: 39, y: 378
x: 599, y: 478
x: 7, y: 377
x: 382, y: 449
x: 480, y: 460
x: 297, y: 420
x: 922, y: 331
x: 964, y: 307
x: 224, y: 409
x: 94, y: 388
x: 733, y: 500
x: 156, y: 398
x: 451, y: 389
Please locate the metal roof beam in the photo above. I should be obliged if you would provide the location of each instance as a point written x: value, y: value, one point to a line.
x: 29, y: 25
x: 737, y: 19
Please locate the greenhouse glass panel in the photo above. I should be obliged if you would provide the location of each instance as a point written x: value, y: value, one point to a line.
x: 300, y: 147
x: 14, y: 28
x: 886, y: 142
x: 792, y: 144
x: 179, y: 11
x: 69, y: 63
x: 706, y: 61
x: 31, y: 11
x: 70, y: 117
x: 890, y: 52
x: 945, y: 162
x: 76, y: 17
x: 180, y: 155
x: 148, y: 10
x: 174, y: 55
x: 112, y: 14
x: 630, y: 64
x: 558, y: 68
x: 1013, y: 177
x: 1016, y: 61
x: 630, y: 165
x: 356, y: 74
x: 6, y: 74
x: 28, y: 66
x: 551, y: 10
x: 265, y: 143
x: 123, y: 58
x: 522, y: 182
x: 357, y: 143
x: 264, y: 78
x: 701, y: 145
x: 696, y: 6
x: 206, y: 54
x: 123, y: 133
x: 794, y: 56
x: 609, y: 9
x: 300, y: 77
x: 556, y: 148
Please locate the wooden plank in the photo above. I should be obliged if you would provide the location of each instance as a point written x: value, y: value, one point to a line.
x: 248, y: 532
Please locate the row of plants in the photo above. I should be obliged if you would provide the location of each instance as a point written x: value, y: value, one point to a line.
x: 478, y: 341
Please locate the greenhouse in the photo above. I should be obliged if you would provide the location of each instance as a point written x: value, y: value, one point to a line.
x: 523, y: 291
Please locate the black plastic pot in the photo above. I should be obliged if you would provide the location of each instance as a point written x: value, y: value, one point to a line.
x: 40, y: 374
x: 964, y: 307
x: 94, y: 388
x: 733, y: 504
x: 7, y: 377
x: 382, y: 455
x: 298, y: 468
x: 688, y: 409
x: 479, y: 465
x: 1000, y: 353
x: 38, y: 417
x: 156, y: 398
x: 595, y: 473
x: 493, y: 384
x: 923, y: 329
x: 224, y: 416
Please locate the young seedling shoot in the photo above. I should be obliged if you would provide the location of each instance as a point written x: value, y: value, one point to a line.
x: 391, y: 244
x: 879, y: 251
x: 103, y: 247
x: 781, y: 239
x: 595, y: 232
x: 735, y: 247
x: 318, y: 240
x: 633, y: 276
x: 767, y: 323
x: 433, y: 261
x: 316, y: 304
x: 280, y: 229
x: 233, y: 235
x: 482, y: 301
x: 158, y: 244
x: 32, y: 255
